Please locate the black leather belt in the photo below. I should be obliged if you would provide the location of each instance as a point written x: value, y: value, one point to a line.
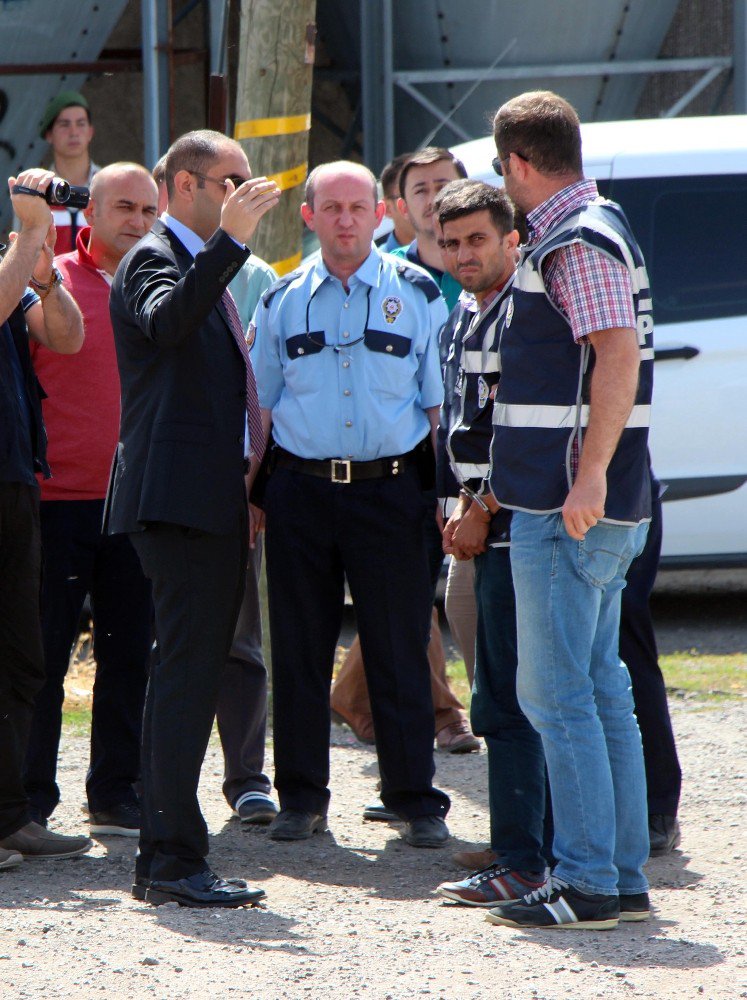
x: 342, y: 470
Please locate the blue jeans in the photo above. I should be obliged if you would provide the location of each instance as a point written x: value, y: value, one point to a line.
x: 516, y: 763
x: 576, y: 692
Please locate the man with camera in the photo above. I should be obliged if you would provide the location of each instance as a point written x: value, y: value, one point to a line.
x: 83, y: 392
x: 51, y: 317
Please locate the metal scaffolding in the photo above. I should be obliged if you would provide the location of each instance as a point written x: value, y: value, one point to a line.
x: 381, y: 78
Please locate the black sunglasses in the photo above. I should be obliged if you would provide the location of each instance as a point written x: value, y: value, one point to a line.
x: 498, y: 161
x: 234, y: 178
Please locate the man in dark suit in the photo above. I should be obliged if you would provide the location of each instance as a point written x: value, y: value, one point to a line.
x: 178, y: 485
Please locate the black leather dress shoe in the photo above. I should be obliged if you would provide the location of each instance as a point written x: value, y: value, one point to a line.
x: 426, y: 831
x: 203, y: 889
x: 141, y: 884
x: 663, y: 834
x: 293, y: 824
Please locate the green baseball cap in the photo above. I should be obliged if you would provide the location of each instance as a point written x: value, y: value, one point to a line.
x: 65, y: 99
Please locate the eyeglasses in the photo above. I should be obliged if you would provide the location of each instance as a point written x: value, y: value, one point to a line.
x: 234, y: 178
x: 498, y: 161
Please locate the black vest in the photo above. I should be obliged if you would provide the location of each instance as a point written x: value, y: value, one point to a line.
x: 542, y: 402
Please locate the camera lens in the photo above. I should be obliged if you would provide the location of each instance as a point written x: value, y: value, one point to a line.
x: 58, y: 192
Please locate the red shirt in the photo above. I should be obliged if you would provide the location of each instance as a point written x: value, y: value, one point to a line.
x: 81, y: 412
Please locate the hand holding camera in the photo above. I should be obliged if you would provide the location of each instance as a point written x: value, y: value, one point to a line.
x: 29, y: 202
x: 31, y: 185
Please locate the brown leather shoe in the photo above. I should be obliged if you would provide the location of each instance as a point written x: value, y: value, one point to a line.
x: 457, y: 738
x: 34, y: 841
x: 363, y: 729
x: 475, y: 861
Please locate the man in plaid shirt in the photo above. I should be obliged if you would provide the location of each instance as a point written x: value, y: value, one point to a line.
x: 569, y: 457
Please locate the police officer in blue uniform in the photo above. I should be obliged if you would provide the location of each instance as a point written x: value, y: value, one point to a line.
x: 348, y: 371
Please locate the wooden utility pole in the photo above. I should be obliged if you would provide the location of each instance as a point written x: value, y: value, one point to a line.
x: 273, y: 113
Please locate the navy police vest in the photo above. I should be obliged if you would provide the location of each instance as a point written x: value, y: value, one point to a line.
x: 542, y: 403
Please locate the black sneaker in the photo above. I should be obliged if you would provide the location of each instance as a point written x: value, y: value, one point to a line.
x: 558, y: 905
x: 635, y: 906
x: 122, y: 820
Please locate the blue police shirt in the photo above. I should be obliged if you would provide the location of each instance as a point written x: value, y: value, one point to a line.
x: 350, y: 374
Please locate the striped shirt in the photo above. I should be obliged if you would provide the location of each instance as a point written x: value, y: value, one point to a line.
x: 591, y: 290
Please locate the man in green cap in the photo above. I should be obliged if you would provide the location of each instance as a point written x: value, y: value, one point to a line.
x: 66, y: 126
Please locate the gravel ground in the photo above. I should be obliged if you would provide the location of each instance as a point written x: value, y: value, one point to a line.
x: 352, y: 912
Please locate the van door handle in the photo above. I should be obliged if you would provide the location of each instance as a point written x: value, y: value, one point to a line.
x: 670, y: 353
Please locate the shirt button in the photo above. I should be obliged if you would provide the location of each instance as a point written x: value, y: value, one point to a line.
x: 301, y: 350
x: 346, y: 392
x: 346, y: 364
x: 389, y: 348
x: 240, y: 439
x: 346, y: 334
x: 348, y: 423
x: 346, y: 305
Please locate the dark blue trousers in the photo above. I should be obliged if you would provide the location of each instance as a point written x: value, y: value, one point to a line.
x: 517, y: 796
x: 371, y: 532
x: 638, y: 651
x: 80, y: 560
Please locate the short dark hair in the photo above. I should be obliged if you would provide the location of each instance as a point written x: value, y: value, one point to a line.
x: 158, y: 173
x: 542, y: 128
x: 390, y: 175
x: 423, y: 158
x: 339, y: 165
x: 195, y: 152
x: 464, y: 197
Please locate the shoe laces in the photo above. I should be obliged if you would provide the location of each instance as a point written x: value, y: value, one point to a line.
x: 482, y: 874
x: 546, y: 890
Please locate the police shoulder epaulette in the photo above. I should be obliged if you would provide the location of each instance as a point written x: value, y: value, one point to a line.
x: 420, y: 279
x: 267, y: 296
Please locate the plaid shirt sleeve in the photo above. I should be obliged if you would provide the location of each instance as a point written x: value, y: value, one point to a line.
x: 592, y: 290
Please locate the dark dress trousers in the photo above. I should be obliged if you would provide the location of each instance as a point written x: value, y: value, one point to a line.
x: 639, y: 652
x: 177, y: 488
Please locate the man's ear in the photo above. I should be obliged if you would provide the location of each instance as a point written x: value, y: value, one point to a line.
x: 185, y: 184
x: 88, y: 211
x: 380, y: 211
x: 402, y: 206
x: 307, y: 214
x: 513, y: 239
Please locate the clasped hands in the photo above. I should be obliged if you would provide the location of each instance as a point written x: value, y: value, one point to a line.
x: 466, y: 531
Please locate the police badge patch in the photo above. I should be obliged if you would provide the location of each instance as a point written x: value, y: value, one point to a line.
x: 510, y: 311
x: 391, y: 307
x: 251, y: 331
x: 483, y: 392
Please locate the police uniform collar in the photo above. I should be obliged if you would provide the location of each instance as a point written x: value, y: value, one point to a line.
x: 369, y: 272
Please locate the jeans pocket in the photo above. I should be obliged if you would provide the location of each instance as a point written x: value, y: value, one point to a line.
x: 601, y: 552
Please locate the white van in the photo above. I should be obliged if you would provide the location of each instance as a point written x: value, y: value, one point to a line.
x: 683, y: 185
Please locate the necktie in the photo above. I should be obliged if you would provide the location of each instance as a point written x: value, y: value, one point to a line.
x: 256, y: 437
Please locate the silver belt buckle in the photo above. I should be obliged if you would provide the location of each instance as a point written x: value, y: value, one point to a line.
x: 340, y: 470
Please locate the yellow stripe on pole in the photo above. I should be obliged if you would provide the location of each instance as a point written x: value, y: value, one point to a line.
x: 290, y: 178
x: 284, y: 266
x: 256, y: 128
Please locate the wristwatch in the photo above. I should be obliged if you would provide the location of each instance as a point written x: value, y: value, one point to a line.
x: 43, y: 290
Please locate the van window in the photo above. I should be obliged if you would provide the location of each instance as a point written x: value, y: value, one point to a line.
x: 692, y: 234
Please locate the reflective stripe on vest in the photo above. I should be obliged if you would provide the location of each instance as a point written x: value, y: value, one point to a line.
x: 528, y: 415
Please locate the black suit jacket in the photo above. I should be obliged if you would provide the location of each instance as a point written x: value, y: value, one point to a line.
x: 180, y: 457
